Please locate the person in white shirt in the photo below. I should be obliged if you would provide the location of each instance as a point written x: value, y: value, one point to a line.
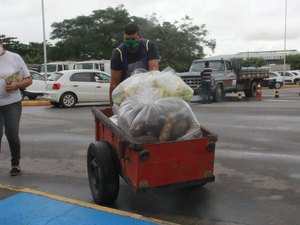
x: 14, y: 75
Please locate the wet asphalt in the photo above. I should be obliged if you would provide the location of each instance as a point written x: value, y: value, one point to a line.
x: 257, y: 162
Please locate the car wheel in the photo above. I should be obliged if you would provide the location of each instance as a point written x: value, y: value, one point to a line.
x: 32, y: 97
x: 103, y: 173
x: 68, y: 100
x: 56, y: 104
x: 277, y: 85
x: 23, y: 94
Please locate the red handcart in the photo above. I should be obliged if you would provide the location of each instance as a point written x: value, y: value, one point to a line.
x: 161, y: 165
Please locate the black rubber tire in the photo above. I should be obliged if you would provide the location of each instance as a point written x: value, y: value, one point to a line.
x: 56, y: 104
x: 279, y: 84
x: 103, y: 173
x: 252, y: 91
x: 218, y: 94
x: 32, y: 97
x: 68, y: 100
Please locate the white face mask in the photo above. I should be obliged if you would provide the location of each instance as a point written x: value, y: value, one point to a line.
x: 1, y: 50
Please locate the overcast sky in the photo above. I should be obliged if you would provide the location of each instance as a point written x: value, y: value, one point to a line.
x: 237, y: 25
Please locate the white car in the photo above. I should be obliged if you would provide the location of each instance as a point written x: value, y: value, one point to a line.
x: 275, y: 80
x: 290, y: 77
x: 38, y: 86
x: 66, y: 88
x: 297, y: 76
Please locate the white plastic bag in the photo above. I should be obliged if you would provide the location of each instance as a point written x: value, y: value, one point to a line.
x: 164, y: 119
x: 151, y: 86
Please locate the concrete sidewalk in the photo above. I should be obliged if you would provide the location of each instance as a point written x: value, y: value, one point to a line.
x: 20, y: 206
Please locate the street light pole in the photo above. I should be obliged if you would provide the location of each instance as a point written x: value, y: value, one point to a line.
x: 44, y: 41
x: 284, y: 58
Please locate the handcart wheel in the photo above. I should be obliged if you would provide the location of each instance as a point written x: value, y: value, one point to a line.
x: 103, y: 173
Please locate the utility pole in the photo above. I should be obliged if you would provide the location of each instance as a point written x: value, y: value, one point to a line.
x: 284, y: 56
x: 44, y: 41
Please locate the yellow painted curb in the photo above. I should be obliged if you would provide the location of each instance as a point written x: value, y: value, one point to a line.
x: 290, y: 86
x: 35, y: 103
x: 85, y: 204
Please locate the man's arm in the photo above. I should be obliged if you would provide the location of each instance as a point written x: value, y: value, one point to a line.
x: 153, y: 57
x: 114, y: 82
x: 153, y: 64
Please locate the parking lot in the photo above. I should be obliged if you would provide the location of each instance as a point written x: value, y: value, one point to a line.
x: 256, y: 167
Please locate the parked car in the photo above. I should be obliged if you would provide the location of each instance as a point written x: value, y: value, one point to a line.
x: 289, y: 77
x: 37, y: 88
x: 69, y: 87
x: 297, y: 76
x: 274, y: 80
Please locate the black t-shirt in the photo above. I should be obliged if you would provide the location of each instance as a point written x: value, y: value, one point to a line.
x: 152, y: 53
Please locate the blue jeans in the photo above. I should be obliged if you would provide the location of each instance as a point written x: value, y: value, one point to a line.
x: 206, y: 92
x: 10, y: 119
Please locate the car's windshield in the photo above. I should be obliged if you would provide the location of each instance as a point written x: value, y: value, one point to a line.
x: 295, y: 73
x: 84, y: 66
x: 215, y: 65
x: 36, y: 76
x: 50, y: 68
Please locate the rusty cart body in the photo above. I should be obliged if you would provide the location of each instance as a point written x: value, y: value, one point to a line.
x: 161, y: 165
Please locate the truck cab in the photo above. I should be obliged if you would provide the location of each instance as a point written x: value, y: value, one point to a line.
x: 224, y: 78
x: 227, y: 76
x: 103, y: 65
x: 223, y: 72
x: 53, y: 67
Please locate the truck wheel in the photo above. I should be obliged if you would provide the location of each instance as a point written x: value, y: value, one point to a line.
x: 252, y: 91
x: 219, y: 94
x: 103, y: 175
x: 68, y: 100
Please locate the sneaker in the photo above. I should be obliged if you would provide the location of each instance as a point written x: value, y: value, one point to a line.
x: 15, y: 170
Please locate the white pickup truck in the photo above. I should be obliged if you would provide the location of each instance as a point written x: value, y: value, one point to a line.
x: 227, y: 77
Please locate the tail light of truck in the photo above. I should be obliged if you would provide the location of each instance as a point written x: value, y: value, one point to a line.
x: 56, y: 86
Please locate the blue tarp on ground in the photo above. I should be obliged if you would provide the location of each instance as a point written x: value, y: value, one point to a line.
x: 30, y: 209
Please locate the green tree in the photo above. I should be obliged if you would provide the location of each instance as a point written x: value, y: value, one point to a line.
x: 294, y: 61
x: 13, y: 45
x: 31, y: 53
x: 90, y: 37
x: 180, y: 43
x: 95, y: 36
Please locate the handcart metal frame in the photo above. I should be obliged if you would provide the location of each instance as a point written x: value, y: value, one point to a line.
x: 162, y: 165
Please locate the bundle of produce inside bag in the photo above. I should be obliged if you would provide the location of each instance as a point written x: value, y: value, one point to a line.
x: 147, y: 113
x: 159, y: 84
